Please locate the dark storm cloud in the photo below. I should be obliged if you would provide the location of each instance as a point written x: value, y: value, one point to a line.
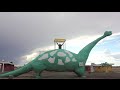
x: 21, y: 32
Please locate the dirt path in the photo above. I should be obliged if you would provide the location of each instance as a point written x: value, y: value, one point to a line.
x: 71, y: 75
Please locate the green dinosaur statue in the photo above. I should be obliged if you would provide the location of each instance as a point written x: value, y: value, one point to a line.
x: 58, y: 60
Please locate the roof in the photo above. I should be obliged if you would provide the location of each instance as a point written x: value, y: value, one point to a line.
x: 7, y: 63
x: 93, y: 64
x: 98, y: 65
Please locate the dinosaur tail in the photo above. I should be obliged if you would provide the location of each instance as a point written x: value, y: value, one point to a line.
x: 17, y: 72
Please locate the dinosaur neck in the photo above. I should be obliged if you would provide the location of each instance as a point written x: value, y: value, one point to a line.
x: 84, y: 53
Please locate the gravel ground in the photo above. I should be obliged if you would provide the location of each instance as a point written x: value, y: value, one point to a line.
x: 71, y: 75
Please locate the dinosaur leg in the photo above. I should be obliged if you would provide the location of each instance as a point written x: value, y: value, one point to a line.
x: 38, y: 68
x: 11, y: 77
x: 80, y: 71
x: 38, y: 75
x: 38, y: 72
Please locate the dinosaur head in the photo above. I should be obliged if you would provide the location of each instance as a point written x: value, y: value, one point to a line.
x: 107, y: 33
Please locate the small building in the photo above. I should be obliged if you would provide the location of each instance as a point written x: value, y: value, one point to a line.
x: 6, y: 66
x: 103, y: 67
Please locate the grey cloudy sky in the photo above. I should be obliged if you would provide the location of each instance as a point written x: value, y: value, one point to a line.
x: 21, y: 32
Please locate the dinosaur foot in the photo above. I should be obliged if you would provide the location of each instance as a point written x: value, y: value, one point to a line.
x: 10, y: 77
x: 83, y: 76
x: 38, y: 77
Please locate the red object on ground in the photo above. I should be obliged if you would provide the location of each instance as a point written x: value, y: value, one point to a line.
x: 88, y: 68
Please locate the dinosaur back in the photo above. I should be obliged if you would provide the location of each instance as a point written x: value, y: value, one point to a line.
x: 58, y: 59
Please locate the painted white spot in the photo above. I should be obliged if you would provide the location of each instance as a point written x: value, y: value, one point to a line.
x: 81, y: 64
x: 61, y: 54
x: 67, y: 60
x: 70, y: 54
x: 51, y: 60
x: 60, y: 62
x: 45, y: 56
x: 74, y: 60
x: 53, y: 52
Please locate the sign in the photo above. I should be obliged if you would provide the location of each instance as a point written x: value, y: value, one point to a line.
x: 59, y: 40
